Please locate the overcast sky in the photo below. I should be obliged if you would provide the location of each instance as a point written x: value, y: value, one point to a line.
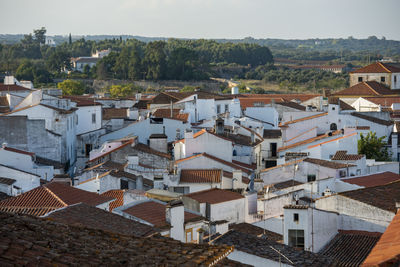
x: 287, y: 19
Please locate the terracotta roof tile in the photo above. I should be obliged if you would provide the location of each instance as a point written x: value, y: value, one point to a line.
x: 7, y: 181
x: 286, y: 184
x: 291, y: 104
x: 49, y: 197
x: 33, y: 241
x: 377, y: 67
x: 374, y: 179
x: 11, y: 149
x: 342, y: 155
x: 118, y: 195
x: 166, y: 113
x: 370, y: 88
x: 12, y: 88
x: 371, y: 119
x: 350, y: 248
x: 387, y: 250
x: 251, y: 229
x: 146, y: 149
x: 303, y: 119
x: 383, y: 101
x: 226, y: 174
x: 115, y: 113
x: 91, y: 217
x: 200, y: 176
x: 267, y: 249
x: 154, y: 213
x: 82, y: 101
x: 328, y: 164
x: 246, y: 102
x: 382, y: 196
x: 214, y: 196
x: 310, y: 140
x: 272, y: 133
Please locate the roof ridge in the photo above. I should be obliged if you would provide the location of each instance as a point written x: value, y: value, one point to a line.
x: 55, y: 196
x: 383, y: 66
x: 370, y: 87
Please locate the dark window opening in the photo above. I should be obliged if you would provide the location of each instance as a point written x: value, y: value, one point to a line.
x: 124, y: 184
x: 295, y: 217
x: 88, y: 148
x: 270, y: 163
x: 383, y: 79
x: 333, y: 127
x: 360, y: 79
x: 273, y: 148
x: 311, y: 178
x: 296, y: 238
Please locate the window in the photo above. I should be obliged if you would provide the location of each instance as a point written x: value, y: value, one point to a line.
x: 94, y: 118
x: 311, y: 178
x: 88, y: 148
x: 76, y: 119
x: 234, y: 153
x: 333, y: 127
x: 226, y: 107
x: 360, y: 79
x: 333, y: 108
x: 296, y: 238
x: 218, y: 109
x: 295, y: 217
x: 395, y: 78
x: 189, y: 235
x: 68, y: 124
x: 382, y: 79
x: 273, y: 148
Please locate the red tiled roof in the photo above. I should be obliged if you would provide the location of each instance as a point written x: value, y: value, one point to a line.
x: 12, y: 87
x: 11, y: 149
x: 82, y: 101
x: 374, y: 179
x: 383, y: 101
x: 125, y: 143
x: 118, y: 195
x: 342, y: 155
x: 235, y: 166
x: 370, y: 88
x: 377, y: 67
x: 226, y: 174
x: 115, y: 113
x: 327, y: 163
x: 214, y: 196
x: 387, y: 250
x: 146, y: 149
x: 283, y: 165
x: 246, y: 102
x: 371, y: 119
x: 303, y: 119
x: 285, y: 97
x: 310, y: 140
x: 200, y: 176
x: 154, y: 213
x: 49, y: 197
x: 350, y: 248
x: 166, y: 113
x: 381, y: 196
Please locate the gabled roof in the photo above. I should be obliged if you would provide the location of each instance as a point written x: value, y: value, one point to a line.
x: 200, y: 176
x: 387, y: 250
x: 381, y: 196
x: 271, y: 250
x: 268, y: 133
x: 374, y: 179
x: 48, y: 243
x: 95, y: 218
x: 370, y: 88
x: 247, y: 102
x: 146, y: 149
x: 82, y: 101
x: 378, y: 67
x: 214, y: 196
x: 166, y: 113
x: 328, y: 164
x: 350, y: 248
x: 342, y: 155
x: 303, y: 119
x: 250, y: 229
x: 7, y: 181
x: 310, y: 140
x: 230, y: 164
x: 371, y: 119
x: 49, y: 197
x: 118, y: 195
x: 115, y: 113
x: 383, y: 101
x: 154, y: 213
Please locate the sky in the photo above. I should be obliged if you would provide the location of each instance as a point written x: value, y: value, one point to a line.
x: 284, y: 19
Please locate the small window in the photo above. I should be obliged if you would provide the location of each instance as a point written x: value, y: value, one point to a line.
x: 395, y: 78
x: 333, y: 108
x: 218, y: 109
x: 295, y: 217
x: 383, y: 79
x: 296, y: 238
x: 360, y: 79
x: 311, y: 178
x: 94, y: 118
x: 226, y: 107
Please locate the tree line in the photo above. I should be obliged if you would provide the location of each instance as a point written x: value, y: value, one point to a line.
x: 131, y: 59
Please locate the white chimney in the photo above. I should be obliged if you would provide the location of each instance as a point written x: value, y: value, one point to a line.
x: 236, y: 178
x: 9, y: 80
x: 175, y: 216
x: 188, y: 134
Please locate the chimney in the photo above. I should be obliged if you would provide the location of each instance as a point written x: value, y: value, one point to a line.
x: 200, y: 236
x: 175, y: 216
x: 219, y: 126
x: 253, y: 138
x: 188, y: 134
x: 236, y: 179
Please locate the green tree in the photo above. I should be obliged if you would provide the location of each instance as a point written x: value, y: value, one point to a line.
x: 119, y: 91
x: 25, y: 71
x: 188, y: 88
x: 40, y: 35
x: 373, y: 147
x: 58, y: 61
x: 71, y: 87
x: 155, y: 60
x: 70, y: 39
